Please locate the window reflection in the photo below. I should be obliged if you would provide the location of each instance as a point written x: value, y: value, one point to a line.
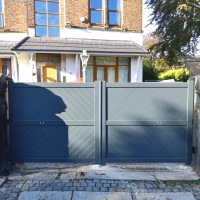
x: 96, y: 12
x: 1, y: 14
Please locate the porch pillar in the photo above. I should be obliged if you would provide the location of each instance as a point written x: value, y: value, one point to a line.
x: 136, y: 69
x: 32, y: 65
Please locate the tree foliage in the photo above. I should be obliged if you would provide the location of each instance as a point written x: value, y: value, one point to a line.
x: 178, y: 28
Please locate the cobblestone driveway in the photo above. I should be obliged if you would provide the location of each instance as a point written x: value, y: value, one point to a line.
x: 11, y: 189
x: 62, y: 180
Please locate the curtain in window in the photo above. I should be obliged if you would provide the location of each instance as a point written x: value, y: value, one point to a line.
x: 123, y: 74
x: 89, y: 74
x: 100, y: 73
x: 111, y: 74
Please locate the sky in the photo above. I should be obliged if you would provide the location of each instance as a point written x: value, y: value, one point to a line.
x: 146, y: 13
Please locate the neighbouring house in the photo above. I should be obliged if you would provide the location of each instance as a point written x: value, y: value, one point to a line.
x: 41, y: 40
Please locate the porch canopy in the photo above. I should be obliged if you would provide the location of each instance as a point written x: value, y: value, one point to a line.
x: 5, y: 47
x: 76, y: 46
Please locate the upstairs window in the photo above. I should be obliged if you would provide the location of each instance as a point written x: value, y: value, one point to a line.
x: 99, y: 16
x: 1, y: 13
x: 114, y: 12
x: 96, y: 12
x: 47, y: 18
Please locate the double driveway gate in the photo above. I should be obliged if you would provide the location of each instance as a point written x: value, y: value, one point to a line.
x: 101, y: 122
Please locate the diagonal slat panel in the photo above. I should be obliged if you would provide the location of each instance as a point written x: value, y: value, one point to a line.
x: 81, y: 143
x: 147, y: 104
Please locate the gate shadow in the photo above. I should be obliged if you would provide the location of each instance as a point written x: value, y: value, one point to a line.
x: 38, y: 131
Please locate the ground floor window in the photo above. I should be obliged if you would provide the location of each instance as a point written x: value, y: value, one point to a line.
x: 48, y: 67
x: 5, y: 66
x: 110, y: 69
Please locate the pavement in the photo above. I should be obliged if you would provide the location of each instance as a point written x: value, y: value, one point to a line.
x: 47, y: 181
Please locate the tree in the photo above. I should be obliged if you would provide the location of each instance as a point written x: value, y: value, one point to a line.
x: 178, y: 28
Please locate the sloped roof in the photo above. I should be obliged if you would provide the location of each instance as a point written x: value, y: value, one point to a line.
x: 71, y: 45
x: 5, y: 46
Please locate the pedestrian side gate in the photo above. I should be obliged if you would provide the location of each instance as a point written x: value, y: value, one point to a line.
x: 101, y: 122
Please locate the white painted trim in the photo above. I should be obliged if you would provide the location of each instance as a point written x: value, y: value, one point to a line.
x: 91, y: 54
x: 101, y: 35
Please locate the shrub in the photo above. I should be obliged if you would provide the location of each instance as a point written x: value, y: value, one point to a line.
x: 149, y: 73
x: 181, y: 74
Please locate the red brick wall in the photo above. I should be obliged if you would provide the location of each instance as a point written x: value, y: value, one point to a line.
x: 132, y: 15
x: 15, y: 15
x: 17, y: 19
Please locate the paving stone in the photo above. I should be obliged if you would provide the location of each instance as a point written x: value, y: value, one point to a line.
x: 112, y: 189
x: 96, y: 181
x: 110, y: 175
x: 88, y: 188
x: 106, y: 185
x: 176, y: 175
x: 95, y: 189
x: 101, y: 196
x: 164, y: 196
x: 104, y: 189
x: 68, y: 184
x: 41, y: 176
x: 80, y: 188
x: 99, y: 184
x: 72, y: 188
x: 83, y: 184
x: 45, y: 195
x: 91, y: 184
x: 65, y: 188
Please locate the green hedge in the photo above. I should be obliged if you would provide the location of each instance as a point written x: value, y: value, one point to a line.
x: 182, y: 74
x: 149, y: 73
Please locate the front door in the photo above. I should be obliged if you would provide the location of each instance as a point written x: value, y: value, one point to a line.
x: 49, y: 74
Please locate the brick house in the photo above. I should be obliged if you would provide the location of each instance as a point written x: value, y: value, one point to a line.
x: 41, y: 40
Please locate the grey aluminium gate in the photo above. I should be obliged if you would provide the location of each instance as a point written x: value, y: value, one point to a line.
x: 52, y: 122
x: 147, y: 122
x: 101, y: 122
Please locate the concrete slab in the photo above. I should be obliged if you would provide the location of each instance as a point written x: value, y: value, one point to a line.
x: 67, y: 175
x: 2, y: 180
x: 176, y: 176
x: 45, y: 196
x: 102, y: 196
x: 165, y: 196
x: 122, y: 175
x: 41, y: 176
x: 147, y: 171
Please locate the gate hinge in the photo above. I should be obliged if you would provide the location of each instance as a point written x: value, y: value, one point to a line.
x: 193, y: 149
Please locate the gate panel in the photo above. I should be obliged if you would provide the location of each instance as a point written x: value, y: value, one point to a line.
x: 146, y: 122
x: 52, y: 122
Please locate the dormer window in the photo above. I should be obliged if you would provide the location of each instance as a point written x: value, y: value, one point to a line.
x: 1, y: 13
x: 47, y: 18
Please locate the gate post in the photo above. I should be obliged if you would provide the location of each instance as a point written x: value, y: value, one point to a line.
x: 190, y: 108
x: 104, y: 111
x: 100, y: 122
x: 98, y: 116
